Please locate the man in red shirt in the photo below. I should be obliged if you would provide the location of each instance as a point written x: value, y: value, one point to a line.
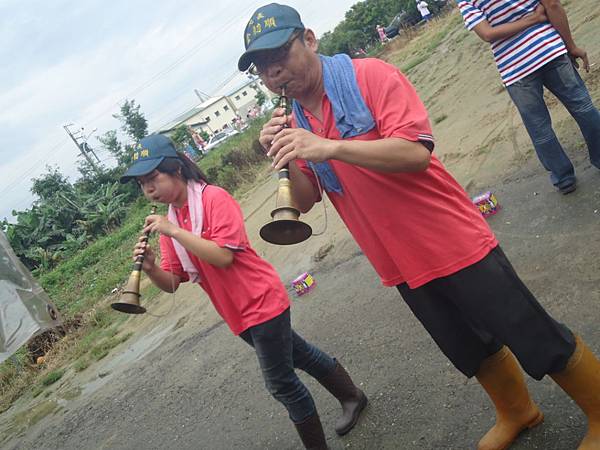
x: 362, y: 133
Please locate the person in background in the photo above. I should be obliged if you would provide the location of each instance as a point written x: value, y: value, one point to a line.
x: 382, y: 36
x: 198, y: 140
x: 533, y: 54
x: 422, y: 6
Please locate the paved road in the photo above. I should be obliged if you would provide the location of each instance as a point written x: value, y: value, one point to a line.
x: 201, y: 388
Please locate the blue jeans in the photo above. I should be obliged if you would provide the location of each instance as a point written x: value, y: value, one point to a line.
x: 280, y: 350
x: 562, y: 79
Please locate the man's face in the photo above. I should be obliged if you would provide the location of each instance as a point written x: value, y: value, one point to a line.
x: 290, y: 65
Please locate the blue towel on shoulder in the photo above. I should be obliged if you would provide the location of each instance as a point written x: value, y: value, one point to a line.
x: 352, y: 117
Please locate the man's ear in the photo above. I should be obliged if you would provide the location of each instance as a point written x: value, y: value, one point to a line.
x: 310, y: 40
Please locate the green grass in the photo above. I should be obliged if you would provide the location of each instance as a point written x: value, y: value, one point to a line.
x: 52, y: 377
x: 79, y: 283
x: 406, y: 68
x: 81, y: 364
x: 48, y: 380
x: 440, y: 119
x: 37, y: 390
x: 150, y: 292
x: 427, y: 40
x: 102, y: 349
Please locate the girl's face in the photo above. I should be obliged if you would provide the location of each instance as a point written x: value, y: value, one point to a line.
x: 162, y: 187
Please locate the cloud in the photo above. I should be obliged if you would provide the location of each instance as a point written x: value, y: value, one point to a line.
x: 77, y: 62
x: 17, y: 173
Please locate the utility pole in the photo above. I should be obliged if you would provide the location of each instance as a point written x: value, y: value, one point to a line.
x: 83, y: 146
x: 203, y: 96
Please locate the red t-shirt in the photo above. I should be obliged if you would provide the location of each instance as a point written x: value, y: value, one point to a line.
x: 249, y: 291
x: 413, y: 227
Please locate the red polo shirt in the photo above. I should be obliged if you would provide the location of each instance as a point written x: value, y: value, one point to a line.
x: 249, y: 291
x: 413, y: 227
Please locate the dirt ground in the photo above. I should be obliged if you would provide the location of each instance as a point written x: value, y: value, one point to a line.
x: 184, y: 382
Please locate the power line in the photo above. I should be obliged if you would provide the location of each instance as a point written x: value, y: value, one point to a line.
x: 83, y: 146
x: 19, y: 178
x: 23, y: 176
x: 178, y: 61
x: 171, y: 112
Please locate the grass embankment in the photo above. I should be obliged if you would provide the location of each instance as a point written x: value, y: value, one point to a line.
x: 80, y: 287
x: 419, y: 45
x: 85, y: 285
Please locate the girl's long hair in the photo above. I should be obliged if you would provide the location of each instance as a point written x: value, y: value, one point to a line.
x: 184, y: 165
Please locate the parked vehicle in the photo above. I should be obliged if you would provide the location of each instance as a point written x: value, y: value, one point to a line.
x: 218, y: 138
x: 406, y: 19
x: 400, y: 20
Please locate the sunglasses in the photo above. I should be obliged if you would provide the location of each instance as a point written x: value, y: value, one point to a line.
x: 262, y: 60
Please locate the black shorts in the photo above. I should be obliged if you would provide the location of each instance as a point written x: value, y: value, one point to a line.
x: 472, y: 313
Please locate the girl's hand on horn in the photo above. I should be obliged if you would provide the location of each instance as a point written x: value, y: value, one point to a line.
x: 142, y: 247
x: 159, y: 224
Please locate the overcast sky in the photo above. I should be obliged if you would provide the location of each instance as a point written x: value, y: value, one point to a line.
x: 75, y: 62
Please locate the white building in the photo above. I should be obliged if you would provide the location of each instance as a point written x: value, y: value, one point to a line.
x: 220, y: 112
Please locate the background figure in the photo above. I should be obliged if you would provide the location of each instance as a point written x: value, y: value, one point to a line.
x: 198, y: 140
x: 422, y: 6
x: 382, y: 37
x: 550, y: 61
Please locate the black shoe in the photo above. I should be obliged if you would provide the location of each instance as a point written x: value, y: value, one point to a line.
x: 567, y: 189
x: 311, y: 433
x: 351, y: 398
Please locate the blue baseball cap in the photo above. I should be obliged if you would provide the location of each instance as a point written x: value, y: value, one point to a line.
x: 148, y: 154
x: 270, y: 27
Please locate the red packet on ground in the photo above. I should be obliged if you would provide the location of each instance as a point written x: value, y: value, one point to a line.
x: 304, y: 284
x: 487, y: 204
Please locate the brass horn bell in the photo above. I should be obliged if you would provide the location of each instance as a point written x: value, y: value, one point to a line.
x: 285, y: 229
x: 130, y: 298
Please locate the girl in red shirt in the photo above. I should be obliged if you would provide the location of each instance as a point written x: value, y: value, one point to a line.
x: 203, y: 240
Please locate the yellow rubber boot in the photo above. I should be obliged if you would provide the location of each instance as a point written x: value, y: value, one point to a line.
x: 581, y: 380
x: 502, y: 378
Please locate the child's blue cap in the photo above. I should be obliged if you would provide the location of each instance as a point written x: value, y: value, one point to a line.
x: 149, y: 153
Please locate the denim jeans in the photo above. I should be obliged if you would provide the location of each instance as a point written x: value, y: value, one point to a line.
x: 562, y: 79
x: 280, y: 350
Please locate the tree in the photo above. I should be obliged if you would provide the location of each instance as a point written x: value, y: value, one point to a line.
x: 181, y: 137
x: 93, y: 181
x: 65, y: 217
x: 204, y: 135
x: 260, y: 97
x: 112, y: 145
x: 133, y: 122
x: 358, y: 29
x: 38, y: 236
x: 51, y: 183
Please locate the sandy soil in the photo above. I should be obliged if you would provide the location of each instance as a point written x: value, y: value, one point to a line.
x: 184, y: 382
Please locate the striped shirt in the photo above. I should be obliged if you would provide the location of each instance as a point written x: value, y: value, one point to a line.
x: 523, y: 53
